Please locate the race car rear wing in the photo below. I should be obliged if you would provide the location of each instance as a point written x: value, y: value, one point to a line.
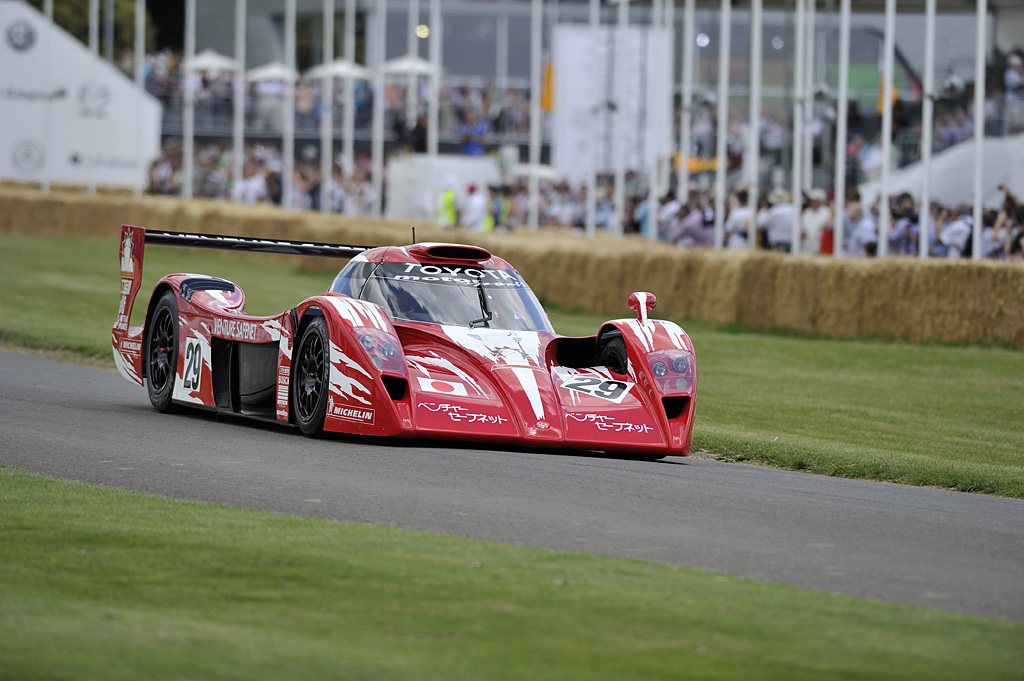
x: 250, y: 244
x: 127, y: 341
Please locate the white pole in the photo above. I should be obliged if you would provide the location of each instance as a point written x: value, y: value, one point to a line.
x: 887, y: 101
x: 188, y: 109
x: 94, y: 26
x: 433, y: 104
x: 688, y: 58
x: 800, y: 37
x: 288, y: 143
x: 754, y: 124
x: 927, y: 123
x: 48, y: 10
x: 327, y: 107
x: 620, y: 114
x: 140, y: 72
x: 535, y: 87
x: 377, y: 150
x: 665, y: 126
x: 238, y: 115
x: 348, y: 113
x: 722, y: 169
x: 501, y: 53
x: 839, y: 225
x: 94, y: 48
x: 808, y: 112
x: 412, y: 82
x: 435, y: 81
x: 979, y: 123
x: 652, y: 65
x: 592, y: 113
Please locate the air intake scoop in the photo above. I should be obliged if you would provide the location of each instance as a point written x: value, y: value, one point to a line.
x: 436, y: 251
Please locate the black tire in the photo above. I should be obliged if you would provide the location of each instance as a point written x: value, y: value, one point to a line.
x: 311, y: 379
x: 162, y: 353
x: 612, y: 353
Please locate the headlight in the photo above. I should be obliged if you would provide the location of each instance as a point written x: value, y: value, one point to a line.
x: 673, y: 371
x: 381, y: 349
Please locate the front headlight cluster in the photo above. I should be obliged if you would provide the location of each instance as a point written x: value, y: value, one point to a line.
x: 381, y: 348
x: 673, y: 370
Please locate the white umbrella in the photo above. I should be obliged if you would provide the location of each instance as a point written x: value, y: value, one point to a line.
x: 339, y: 68
x: 272, y: 71
x: 409, y: 65
x: 210, y: 60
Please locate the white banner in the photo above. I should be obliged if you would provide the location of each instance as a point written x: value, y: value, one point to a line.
x: 575, y: 98
x: 65, y: 114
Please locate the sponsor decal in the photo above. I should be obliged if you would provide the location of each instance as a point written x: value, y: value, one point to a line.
x: 28, y: 157
x: 21, y: 36
x: 93, y: 99
x: 284, y: 371
x: 458, y: 275
x: 354, y: 414
x: 608, y: 424
x: 435, y: 385
x: 122, y: 319
x: 80, y: 160
x: 596, y: 386
x: 131, y: 347
x: 18, y: 94
x: 235, y: 329
x: 126, y: 284
x: 462, y: 414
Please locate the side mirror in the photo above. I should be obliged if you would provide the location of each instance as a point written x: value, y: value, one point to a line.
x: 642, y: 302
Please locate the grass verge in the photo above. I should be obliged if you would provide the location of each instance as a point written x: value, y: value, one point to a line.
x: 945, y: 416
x: 102, y: 583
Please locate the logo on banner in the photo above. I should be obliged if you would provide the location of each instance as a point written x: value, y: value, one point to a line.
x: 28, y: 157
x: 93, y: 99
x: 21, y: 36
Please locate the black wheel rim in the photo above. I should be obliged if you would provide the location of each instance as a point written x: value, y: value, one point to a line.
x: 161, y: 350
x: 310, y: 386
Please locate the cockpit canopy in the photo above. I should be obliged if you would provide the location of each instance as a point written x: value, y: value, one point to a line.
x: 450, y: 293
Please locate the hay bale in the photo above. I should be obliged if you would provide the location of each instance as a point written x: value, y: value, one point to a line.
x: 903, y: 299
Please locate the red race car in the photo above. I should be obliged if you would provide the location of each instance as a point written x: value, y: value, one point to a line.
x: 430, y: 340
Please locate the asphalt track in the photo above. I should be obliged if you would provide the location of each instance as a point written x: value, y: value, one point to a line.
x: 927, y: 547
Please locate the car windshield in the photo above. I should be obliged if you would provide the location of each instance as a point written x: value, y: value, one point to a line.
x: 443, y: 294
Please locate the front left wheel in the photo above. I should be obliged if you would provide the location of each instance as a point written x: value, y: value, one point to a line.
x: 311, y: 378
x: 162, y: 353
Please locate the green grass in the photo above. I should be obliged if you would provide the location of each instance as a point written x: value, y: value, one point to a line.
x: 108, y: 584
x: 947, y: 416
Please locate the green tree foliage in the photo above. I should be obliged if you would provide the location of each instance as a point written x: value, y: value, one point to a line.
x: 73, y: 17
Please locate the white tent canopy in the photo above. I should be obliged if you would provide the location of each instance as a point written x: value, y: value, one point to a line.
x: 211, y: 61
x: 409, y: 65
x: 339, y: 68
x: 272, y: 71
x: 1003, y: 166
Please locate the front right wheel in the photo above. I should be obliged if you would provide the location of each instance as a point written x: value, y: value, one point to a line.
x: 311, y: 372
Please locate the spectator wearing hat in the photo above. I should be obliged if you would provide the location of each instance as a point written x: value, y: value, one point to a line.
x: 740, y: 221
x: 475, y: 214
x: 864, y: 240
x: 777, y: 221
x: 813, y: 221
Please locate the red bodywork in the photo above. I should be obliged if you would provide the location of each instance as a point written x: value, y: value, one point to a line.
x: 528, y: 388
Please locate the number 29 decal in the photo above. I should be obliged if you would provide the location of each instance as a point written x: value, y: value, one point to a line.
x: 613, y: 391
x: 193, y: 364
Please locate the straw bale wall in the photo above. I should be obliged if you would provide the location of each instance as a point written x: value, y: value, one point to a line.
x: 897, y: 298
